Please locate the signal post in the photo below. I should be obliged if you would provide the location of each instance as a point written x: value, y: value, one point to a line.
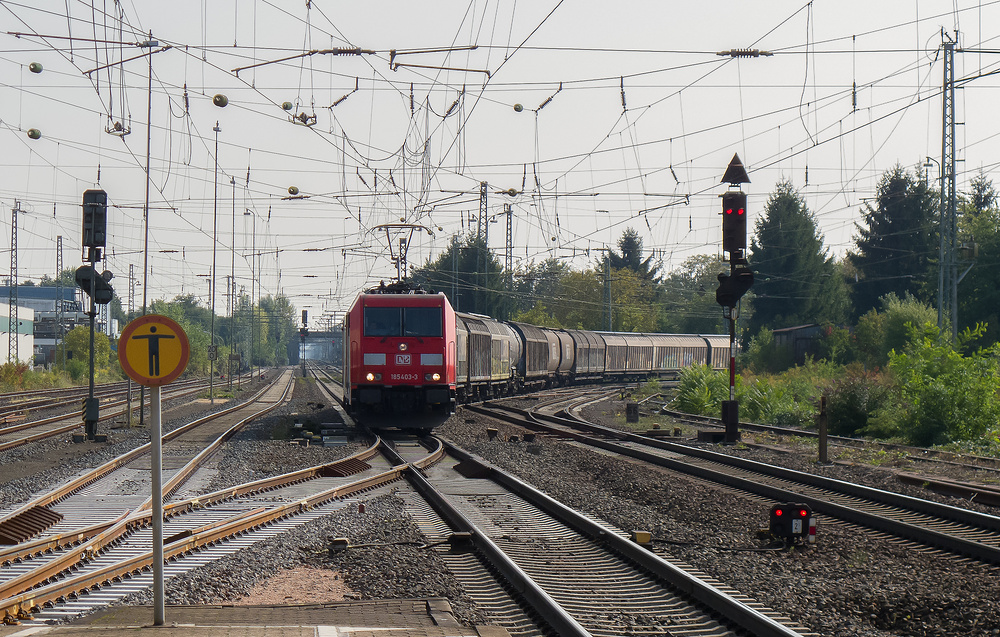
x: 96, y: 285
x: 734, y: 285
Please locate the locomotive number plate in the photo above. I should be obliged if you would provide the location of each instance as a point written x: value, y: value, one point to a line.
x: 403, y: 359
x: 412, y: 377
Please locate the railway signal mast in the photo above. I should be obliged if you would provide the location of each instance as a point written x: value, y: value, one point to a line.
x: 734, y: 285
x: 96, y: 285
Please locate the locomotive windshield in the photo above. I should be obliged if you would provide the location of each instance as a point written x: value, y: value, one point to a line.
x: 405, y: 321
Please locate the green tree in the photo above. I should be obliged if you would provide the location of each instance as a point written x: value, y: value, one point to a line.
x: 633, y: 298
x: 538, y: 315
x: 983, y: 196
x: 184, y: 310
x: 76, y: 346
x: 631, y: 257
x: 687, y: 297
x: 978, y: 293
x: 896, y: 242
x: 67, y: 277
x: 279, y: 319
x: 796, y: 281
x: 538, y: 283
x: 460, y: 274
x: 580, y: 303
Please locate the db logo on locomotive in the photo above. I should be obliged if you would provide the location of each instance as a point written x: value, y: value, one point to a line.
x: 402, y: 359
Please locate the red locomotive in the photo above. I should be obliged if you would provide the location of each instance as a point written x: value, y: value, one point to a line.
x: 399, y: 355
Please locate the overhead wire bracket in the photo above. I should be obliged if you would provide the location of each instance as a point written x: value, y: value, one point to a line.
x: 341, y: 99
x: 335, y: 51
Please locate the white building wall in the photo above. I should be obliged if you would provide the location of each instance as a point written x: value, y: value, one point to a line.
x: 25, y: 334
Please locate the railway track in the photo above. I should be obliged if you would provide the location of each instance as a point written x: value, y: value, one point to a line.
x: 918, y: 454
x: 956, y: 530
x: 96, y: 505
x: 29, y: 431
x: 89, y: 559
x: 574, y: 576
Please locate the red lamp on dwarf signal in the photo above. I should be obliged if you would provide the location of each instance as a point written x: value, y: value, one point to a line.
x: 793, y: 522
x: 734, y: 221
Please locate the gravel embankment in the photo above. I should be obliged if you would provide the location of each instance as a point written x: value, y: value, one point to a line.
x: 848, y: 584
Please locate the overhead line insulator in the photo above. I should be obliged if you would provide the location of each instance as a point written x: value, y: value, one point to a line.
x: 745, y: 53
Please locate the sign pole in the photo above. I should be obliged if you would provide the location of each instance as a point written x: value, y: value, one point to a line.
x: 154, y: 350
x: 156, y: 441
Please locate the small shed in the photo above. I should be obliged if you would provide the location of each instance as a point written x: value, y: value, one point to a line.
x: 803, y: 340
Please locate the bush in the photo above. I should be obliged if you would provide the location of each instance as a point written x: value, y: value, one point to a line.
x: 12, y: 376
x: 939, y: 395
x: 879, y: 333
x: 701, y: 390
x: 852, y: 399
x: 763, y: 355
x: 837, y: 345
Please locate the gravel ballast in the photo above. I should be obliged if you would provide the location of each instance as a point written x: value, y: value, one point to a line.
x: 851, y: 583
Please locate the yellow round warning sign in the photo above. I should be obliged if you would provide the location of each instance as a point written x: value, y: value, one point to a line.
x: 153, y: 350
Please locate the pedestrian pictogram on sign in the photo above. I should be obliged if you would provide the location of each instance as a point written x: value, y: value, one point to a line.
x: 153, y: 350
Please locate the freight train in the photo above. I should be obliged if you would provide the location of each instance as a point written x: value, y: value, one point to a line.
x: 408, y: 353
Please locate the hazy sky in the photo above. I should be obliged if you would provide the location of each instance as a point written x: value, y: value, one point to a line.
x: 643, y: 118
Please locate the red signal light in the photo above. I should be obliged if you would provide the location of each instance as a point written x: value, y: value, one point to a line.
x: 779, y: 512
x: 803, y: 513
x: 734, y: 221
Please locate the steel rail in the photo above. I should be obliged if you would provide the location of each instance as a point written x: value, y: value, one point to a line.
x: 916, y: 453
x: 343, y: 467
x: 977, y: 550
x: 185, y: 472
x: 120, y: 528
x: 547, y: 608
x: 69, y: 428
x: 22, y: 605
x: 105, y: 393
x: 732, y: 609
x: 61, y: 492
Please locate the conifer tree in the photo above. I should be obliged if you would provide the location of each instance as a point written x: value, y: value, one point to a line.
x: 796, y: 281
x: 896, y: 241
x: 631, y: 258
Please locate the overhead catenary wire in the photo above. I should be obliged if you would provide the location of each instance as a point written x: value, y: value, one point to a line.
x: 699, y: 187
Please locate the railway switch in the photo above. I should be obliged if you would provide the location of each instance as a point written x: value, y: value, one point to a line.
x: 793, y: 522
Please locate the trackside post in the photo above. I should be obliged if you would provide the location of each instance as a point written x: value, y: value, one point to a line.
x: 154, y: 350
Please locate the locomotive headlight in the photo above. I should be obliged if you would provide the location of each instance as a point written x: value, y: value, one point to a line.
x: 370, y: 376
x: 433, y: 377
x: 403, y: 347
